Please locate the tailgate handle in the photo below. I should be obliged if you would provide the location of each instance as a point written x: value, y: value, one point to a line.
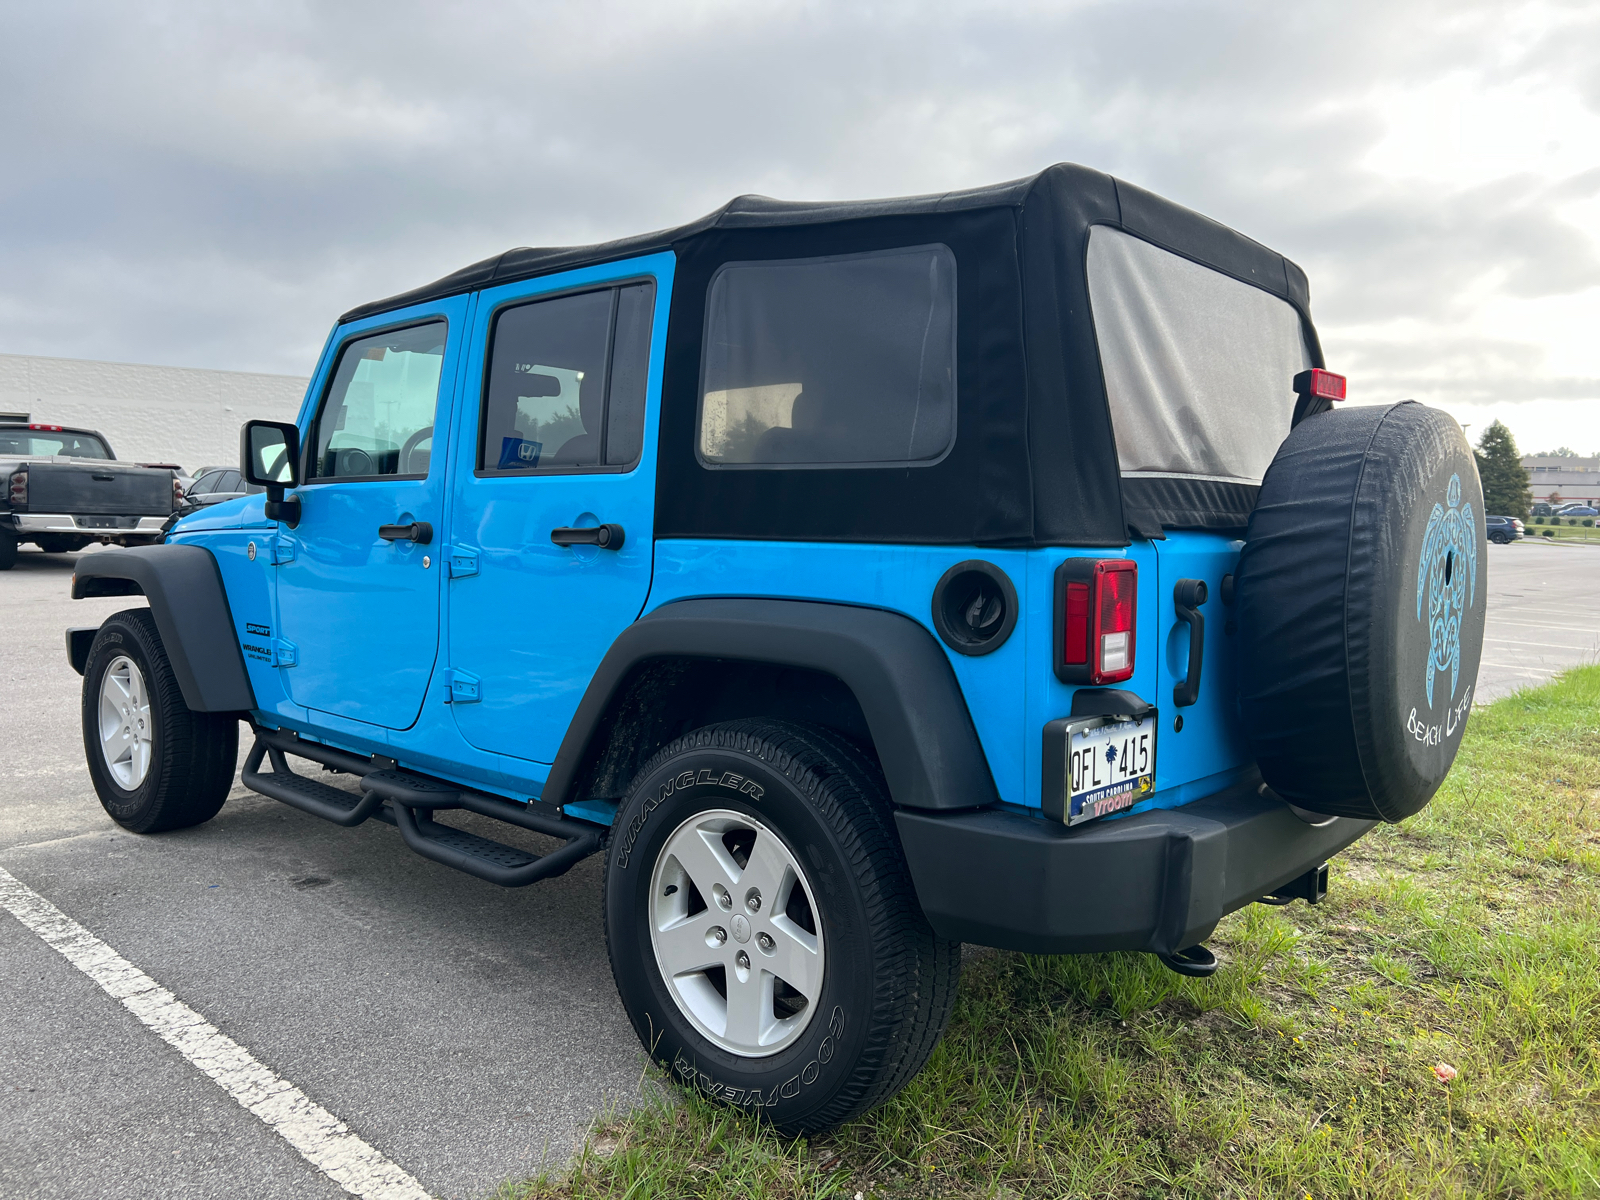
x: 418, y: 531
x: 607, y: 537
x: 1187, y: 597
x: 104, y: 478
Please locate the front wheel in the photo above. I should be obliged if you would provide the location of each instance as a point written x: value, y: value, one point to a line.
x: 764, y: 933
x: 155, y: 764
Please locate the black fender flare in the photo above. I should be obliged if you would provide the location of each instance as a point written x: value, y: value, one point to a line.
x: 899, y: 674
x: 184, y: 587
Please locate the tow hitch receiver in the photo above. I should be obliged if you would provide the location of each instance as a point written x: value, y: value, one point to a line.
x: 1312, y: 887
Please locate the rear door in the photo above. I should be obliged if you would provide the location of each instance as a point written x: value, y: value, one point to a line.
x: 563, y: 391
x: 359, y: 610
x: 1199, y: 369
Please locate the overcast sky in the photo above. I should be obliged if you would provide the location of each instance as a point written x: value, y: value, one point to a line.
x: 210, y: 185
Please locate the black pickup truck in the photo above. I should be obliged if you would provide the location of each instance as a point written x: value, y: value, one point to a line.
x: 63, y: 489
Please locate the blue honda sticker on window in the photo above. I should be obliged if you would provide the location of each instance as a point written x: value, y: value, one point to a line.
x: 519, y: 452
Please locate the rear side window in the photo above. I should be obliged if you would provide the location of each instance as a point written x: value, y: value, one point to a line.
x: 377, y: 418
x: 844, y: 361
x: 566, y: 382
x: 1199, y: 366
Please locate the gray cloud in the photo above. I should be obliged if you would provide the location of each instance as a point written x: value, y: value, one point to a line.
x: 212, y: 185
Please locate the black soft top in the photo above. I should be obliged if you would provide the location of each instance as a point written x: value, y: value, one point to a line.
x: 1034, y: 461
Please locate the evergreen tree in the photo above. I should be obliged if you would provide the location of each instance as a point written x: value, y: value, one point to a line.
x: 1505, y: 480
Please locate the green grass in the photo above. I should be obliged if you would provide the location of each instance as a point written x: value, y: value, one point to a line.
x: 1564, y: 532
x: 1304, y: 1067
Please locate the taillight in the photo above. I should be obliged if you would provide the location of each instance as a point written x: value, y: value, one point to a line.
x: 1319, y: 384
x: 177, y: 493
x: 1096, y: 613
x: 19, y: 489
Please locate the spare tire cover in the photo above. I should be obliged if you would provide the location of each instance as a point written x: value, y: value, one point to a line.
x: 1361, y: 593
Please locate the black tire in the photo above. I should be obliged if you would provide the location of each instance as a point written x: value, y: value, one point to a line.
x: 191, y: 756
x: 1361, y: 597
x: 888, y: 984
x: 8, y: 551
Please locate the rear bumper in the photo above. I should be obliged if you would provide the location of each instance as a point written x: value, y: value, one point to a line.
x: 1159, y: 881
x: 26, y: 523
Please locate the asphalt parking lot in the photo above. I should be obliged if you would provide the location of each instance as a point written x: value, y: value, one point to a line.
x: 466, y: 1032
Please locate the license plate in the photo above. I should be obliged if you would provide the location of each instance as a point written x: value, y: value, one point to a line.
x: 1111, y: 766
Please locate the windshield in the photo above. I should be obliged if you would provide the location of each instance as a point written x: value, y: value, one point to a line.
x: 1199, y: 366
x: 40, y: 443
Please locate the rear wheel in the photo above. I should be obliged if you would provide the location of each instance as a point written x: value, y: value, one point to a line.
x: 155, y: 764
x: 764, y: 933
x: 8, y: 551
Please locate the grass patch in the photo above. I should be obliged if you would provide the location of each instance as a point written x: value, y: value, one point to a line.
x: 1305, y: 1067
x: 1564, y: 532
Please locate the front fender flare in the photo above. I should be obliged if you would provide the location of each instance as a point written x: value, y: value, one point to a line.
x: 190, y: 607
x: 913, y: 704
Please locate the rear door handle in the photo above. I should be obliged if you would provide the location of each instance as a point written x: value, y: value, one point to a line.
x: 1187, y: 597
x: 419, y: 532
x: 607, y: 537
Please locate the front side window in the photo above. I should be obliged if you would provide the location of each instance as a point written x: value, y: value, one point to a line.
x: 377, y: 418
x: 1199, y: 366
x: 566, y: 382
x: 846, y: 361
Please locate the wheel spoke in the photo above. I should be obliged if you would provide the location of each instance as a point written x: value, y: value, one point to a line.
x: 703, y: 862
x: 683, y: 948
x: 795, y: 958
x: 768, y: 871
x: 749, y: 1008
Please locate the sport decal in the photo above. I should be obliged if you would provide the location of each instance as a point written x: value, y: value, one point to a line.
x: 1447, y: 579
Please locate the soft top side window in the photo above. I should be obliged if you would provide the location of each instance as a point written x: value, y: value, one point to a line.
x: 377, y: 417
x: 566, y: 382
x: 840, y: 361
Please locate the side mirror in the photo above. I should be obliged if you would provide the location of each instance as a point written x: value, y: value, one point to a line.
x: 269, y: 457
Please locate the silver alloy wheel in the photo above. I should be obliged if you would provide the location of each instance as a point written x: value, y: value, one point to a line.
x: 125, y: 726
x: 748, y: 932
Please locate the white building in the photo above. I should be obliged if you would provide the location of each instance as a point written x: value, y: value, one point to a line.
x: 149, y: 414
x: 1555, y: 480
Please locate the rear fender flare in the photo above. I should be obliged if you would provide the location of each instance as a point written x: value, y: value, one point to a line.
x: 190, y: 605
x: 900, y: 676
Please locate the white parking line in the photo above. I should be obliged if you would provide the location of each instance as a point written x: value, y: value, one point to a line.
x: 322, y: 1139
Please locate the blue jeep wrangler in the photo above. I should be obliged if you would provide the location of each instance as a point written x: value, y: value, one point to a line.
x: 861, y: 579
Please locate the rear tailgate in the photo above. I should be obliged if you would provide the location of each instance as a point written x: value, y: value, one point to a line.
x: 105, y: 489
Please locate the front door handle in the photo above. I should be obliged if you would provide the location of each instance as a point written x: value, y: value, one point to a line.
x: 607, y: 537
x: 419, y: 532
x: 1187, y: 597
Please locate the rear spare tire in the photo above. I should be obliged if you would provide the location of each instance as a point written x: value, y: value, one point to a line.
x: 1361, y: 596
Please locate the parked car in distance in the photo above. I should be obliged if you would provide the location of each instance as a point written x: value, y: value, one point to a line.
x: 1503, y: 529
x: 1577, y: 510
x: 213, y: 485
x: 1542, y: 510
x: 63, y: 489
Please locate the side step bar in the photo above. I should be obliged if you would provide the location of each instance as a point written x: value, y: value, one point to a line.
x: 408, y: 802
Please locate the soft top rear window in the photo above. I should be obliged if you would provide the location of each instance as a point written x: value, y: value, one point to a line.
x: 841, y: 361
x: 1199, y: 366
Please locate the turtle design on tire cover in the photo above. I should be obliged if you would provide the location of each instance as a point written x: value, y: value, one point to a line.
x: 1357, y: 590
x: 1451, y: 539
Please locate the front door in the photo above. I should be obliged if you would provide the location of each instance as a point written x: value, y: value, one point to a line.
x: 358, y: 597
x: 569, y: 369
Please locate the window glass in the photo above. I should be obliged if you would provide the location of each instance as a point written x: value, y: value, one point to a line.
x: 205, y: 485
x: 1199, y: 366
x: 833, y: 361
x: 554, y: 366
x: 378, y: 416
x: 42, y: 444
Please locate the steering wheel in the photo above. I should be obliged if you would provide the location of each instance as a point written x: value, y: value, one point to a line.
x: 403, y: 465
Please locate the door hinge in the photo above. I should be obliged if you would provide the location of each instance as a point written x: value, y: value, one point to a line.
x: 284, y: 654
x: 463, y: 686
x: 463, y: 562
x: 282, y: 549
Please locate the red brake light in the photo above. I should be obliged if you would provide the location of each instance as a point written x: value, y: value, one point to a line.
x: 1323, y: 385
x: 48, y: 428
x: 19, y: 489
x: 1097, y: 601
